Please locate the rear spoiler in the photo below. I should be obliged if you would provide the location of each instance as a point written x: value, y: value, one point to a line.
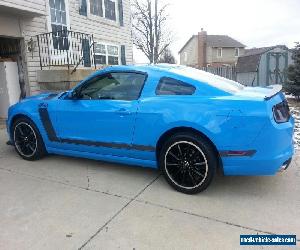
x: 274, y: 90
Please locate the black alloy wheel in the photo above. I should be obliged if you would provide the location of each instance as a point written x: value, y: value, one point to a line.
x: 188, y: 163
x: 27, y: 140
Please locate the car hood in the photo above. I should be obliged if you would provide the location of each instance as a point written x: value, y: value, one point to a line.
x: 40, y: 96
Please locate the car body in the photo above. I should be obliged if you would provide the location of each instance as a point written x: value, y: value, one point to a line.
x: 130, y: 127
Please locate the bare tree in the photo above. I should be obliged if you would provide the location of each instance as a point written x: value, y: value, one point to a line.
x: 167, y: 57
x: 149, y: 28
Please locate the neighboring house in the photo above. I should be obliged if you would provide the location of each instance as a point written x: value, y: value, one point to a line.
x: 263, y: 66
x: 204, y: 50
x: 57, y: 42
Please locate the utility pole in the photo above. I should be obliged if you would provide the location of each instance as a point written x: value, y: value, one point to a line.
x: 155, y: 54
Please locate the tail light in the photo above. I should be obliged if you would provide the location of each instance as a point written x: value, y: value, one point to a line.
x: 281, y: 112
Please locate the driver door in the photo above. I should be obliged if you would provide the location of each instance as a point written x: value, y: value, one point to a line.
x: 101, y: 116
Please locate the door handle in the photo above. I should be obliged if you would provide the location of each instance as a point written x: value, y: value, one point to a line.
x: 123, y: 111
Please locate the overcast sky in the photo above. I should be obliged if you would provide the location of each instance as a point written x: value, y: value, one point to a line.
x: 255, y: 23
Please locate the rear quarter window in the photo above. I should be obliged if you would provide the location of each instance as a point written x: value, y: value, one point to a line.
x: 170, y: 86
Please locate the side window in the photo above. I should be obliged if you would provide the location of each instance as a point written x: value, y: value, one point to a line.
x: 110, y: 9
x: 96, y: 7
x: 114, y: 86
x: 170, y: 86
x: 59, y: 24
x: 106, y: 54
x: 83, y: 7
x: 219, y: 52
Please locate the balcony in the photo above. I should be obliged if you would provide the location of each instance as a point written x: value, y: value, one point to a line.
x: 64, y: 48
x: 65, y: 57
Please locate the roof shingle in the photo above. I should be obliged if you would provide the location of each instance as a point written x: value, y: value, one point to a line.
x: 223, y: 41
x: 220, y: 41
x: 247, y: 63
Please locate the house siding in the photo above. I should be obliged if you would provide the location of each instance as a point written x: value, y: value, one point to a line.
x: 32, y: 27
x: 102, y: 29
x: 228, y: 55
x: 263, y: 66
x: 37, y: 6
x: 248, y: 79
x: 192, y: 53
x: 260, y: 78
x: 29, y: 22
x: 194, y: 58
x: 9, y: 26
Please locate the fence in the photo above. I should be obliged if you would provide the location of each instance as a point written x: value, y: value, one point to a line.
x: 66, y: 48
x: 228, y: 72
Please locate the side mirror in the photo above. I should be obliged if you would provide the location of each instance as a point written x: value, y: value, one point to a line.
x: 73, y: 95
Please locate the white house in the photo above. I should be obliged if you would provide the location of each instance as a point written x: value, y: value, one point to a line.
x: 57, y: 42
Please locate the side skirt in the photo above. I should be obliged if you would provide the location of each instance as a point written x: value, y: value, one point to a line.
x: 108, y: 158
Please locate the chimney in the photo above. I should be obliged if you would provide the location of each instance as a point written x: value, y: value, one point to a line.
x: 202, y: 36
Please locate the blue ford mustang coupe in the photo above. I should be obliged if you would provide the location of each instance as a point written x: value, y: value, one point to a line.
x: 182, y: 120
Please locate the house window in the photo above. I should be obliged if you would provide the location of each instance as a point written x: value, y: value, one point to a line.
x: 83, y: 7
x: 59, y: 24
x: 113, y: 54
x: 104, y: 8
x: 110, y: 9
x: 106, y: 54
x: 96, y: 7
x: 219, y: 52
x: 185, y: 56
x: 236, y: 52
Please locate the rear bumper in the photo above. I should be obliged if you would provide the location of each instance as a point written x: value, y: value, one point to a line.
x: 256, y: 165
x: 285, y: 165
x: 274, y: 151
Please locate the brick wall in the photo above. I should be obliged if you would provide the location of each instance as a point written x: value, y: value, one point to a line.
x: 202, y: 36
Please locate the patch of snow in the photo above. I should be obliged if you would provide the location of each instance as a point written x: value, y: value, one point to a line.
x: 295, y: 111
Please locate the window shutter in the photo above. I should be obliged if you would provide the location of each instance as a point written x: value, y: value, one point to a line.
x: 83, y: 8
x: 120, y: 7
x: 123, y: 56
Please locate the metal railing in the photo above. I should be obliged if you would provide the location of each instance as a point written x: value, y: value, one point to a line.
x: 66, y: 48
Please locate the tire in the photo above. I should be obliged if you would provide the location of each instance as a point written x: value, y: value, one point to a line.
x: 188, y: 162
x: 27, y: 140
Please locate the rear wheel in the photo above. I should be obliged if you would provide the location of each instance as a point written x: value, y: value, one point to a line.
x: 188, y: 162
x: 27, y: 140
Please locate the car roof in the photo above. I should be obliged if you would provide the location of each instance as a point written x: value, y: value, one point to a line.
x: 182, y: 72
x: 147, y: 68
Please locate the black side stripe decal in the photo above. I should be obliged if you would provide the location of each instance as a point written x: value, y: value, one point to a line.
x: 108, y: 144
x: 48, y: 124
x: 46, y: 121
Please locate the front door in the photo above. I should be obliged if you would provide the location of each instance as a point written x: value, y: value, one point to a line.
x: 101, y: 117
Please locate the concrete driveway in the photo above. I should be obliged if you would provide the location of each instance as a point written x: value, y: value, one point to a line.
x: 69, y: 203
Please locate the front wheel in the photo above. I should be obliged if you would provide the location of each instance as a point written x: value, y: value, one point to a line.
x: 188, y: 162
x: 27, y: 140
